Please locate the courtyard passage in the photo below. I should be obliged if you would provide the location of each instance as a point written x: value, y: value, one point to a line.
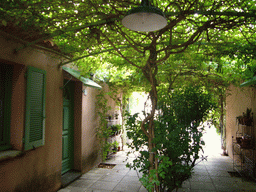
x: 209, y: 176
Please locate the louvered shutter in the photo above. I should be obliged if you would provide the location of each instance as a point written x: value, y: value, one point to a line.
x: 35, y: 108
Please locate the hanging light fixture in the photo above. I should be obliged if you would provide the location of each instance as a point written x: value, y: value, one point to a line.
x: 145, y: 18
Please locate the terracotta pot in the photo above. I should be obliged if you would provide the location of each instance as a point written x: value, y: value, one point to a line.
x: 245, y: 121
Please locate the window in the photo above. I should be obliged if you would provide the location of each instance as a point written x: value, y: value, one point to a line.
x: 35, y: 108
x: 5, y: 105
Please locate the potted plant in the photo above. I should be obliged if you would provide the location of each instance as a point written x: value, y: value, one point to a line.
x: 246, y: 118
x: 115, y: 146
x: 115, y: 129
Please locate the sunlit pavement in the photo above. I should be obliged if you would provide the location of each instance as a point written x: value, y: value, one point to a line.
x: 211, y: 175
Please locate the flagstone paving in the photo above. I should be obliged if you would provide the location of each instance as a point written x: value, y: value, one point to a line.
x: 209, y: 176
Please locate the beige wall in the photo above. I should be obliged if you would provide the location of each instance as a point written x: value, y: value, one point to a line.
x: 40, y: 168
x: 115, y: 108
x: 90, y: 144
x: 90, y: 151
x: 237, y: 101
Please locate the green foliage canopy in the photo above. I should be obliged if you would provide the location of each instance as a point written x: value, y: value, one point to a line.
x: 211, y: 29
x: 86, y: 26
x: 204, y: 40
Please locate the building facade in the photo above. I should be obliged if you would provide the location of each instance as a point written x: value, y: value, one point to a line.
x: 240, y: 101
x: 48, y: 124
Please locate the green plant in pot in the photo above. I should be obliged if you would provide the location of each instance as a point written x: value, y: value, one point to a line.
x: 115, y: 129
x: 246, y: 118
x: 115, y: 145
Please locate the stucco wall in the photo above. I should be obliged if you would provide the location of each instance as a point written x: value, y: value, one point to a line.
x: 237, y: 101
x: 114, y: 107
x: 90, y: 144
x: 91, y: 154
x: 37, y: 169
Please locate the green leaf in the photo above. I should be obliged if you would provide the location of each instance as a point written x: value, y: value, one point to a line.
x: 4, y: 22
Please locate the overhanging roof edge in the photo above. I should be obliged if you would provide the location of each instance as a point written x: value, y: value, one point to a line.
x: 85, y: 81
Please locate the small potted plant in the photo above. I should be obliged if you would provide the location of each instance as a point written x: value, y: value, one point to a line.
x: 115, y: 129
x: 246, y: 118
x: 115, y: 146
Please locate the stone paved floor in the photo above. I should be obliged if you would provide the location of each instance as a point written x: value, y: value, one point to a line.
x: 209, y: 176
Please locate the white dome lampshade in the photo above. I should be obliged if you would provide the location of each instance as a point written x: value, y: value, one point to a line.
x: 145, y: 18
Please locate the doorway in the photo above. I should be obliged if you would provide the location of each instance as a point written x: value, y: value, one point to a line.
x: 68, y: 127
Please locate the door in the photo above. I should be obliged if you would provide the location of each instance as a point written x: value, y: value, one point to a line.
x: 68, y: 127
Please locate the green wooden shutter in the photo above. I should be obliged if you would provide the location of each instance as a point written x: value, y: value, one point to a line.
x: 35, y: 108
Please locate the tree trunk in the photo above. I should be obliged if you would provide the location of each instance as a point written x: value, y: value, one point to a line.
x: 150, y: 118
x: 150, y: 71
